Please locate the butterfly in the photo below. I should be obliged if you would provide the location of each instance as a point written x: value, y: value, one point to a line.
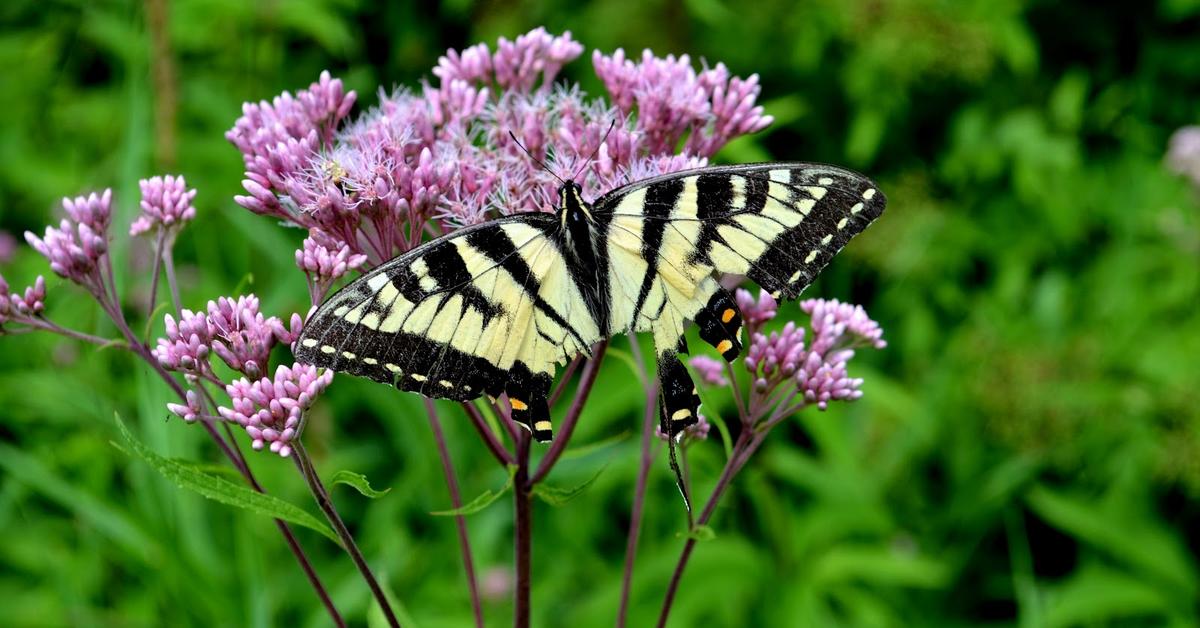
x: 496, y: 307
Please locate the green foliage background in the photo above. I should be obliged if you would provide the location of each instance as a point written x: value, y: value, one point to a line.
x: 1028, y: 450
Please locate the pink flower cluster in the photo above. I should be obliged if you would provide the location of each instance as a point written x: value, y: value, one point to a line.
x: 235, y: 330
x: 444, y: 157
x: 755, y: 312
x: 271, y: 409
x: 76, y: 249
x: 711, y: 371
x: 279, y: 139
x: 673, y: 101
x: 324, y: 259
x: 516, y: 65
x: 24, y: 305
x: 166, y: 205
x: 817, y: 367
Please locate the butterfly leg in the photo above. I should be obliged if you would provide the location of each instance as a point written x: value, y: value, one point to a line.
x: 720, y: 324
x: 529, y: 394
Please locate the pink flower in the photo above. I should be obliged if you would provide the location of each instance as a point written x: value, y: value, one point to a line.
x: 324, y: 259
x: 166, y: 204
x: 187, y: 345
x: 190, y: 411
x: 271, y: 409
x: 755, y: 313
x: 75, y: 249
x: 833, y: 320
x: 242, y: 336
x: 711, y: 372
x: 28, y: 304
x: 777, y: 355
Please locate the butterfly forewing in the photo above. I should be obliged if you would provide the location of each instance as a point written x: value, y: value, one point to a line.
x: 451, y: 318
x: 778, y: 224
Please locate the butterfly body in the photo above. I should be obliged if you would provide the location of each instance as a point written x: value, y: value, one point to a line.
x: 494, y: 308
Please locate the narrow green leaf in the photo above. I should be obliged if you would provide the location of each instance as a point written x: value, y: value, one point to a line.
x: 375, y: 616
x: 112, y: 523
x: 581, y: 451
x: 358, y: 482
x: 222, y: 490
x: 211, y: 468
x: 484, y: 500
x: 558, y: 496
x: 627, y: 359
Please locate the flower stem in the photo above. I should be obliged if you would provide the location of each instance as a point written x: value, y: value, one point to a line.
x: 47, y: 325
x: 304, y: 463
x: 489, y: 439
x: 746, y: 443
x: 460, y: 522
x: 310, y: 573
x: 523, y: 534
x: 639, y: 500
x: 169, y: 264
x: 156, y: 271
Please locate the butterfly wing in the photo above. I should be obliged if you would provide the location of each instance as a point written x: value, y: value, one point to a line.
x: 484, y: 310
x: 778, y: 223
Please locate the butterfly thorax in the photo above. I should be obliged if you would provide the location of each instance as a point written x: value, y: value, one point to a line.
x: 579, y: 235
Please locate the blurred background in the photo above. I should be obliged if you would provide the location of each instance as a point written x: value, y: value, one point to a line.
x: 1028, y: 449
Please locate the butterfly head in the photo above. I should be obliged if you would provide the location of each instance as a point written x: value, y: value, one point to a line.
x: 572, y: 209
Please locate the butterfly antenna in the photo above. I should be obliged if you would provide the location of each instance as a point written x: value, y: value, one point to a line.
x: 597, y: 151
x: 535, y: 159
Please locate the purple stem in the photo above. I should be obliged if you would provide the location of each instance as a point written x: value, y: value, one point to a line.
x: 158, y: 246
x: 133, y: 344
x: 564, y: 379
x: 581, y: 395
x: 304, y: 463
x: 737, y: 396
x: 489, y: 439
x: 639, y: 500
x: 523, y: 531
x: 47, y: 325
x: 747, y: 442
x: 456, y: 502
x: 169, y: 263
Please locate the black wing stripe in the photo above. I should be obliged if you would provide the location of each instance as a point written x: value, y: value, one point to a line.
x: 660, y: 201
x: 502, y: 251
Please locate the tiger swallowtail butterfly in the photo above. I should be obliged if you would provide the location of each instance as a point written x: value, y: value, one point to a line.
x: 495, y: 307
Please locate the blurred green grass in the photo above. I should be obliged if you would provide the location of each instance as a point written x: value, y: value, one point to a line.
x: 1027, y: 449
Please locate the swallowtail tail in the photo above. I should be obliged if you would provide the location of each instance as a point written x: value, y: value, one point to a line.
x: 494, y: 308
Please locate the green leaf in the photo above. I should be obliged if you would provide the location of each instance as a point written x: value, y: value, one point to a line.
x: 558, y: 496
x: 702, y: 533
x: 627, y: 359
x: 484, y: 500
x: 581, y: 451
x: 219, y: 489
x: 113, y: 524
x: 375, y: 616
x: 358, y: 482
